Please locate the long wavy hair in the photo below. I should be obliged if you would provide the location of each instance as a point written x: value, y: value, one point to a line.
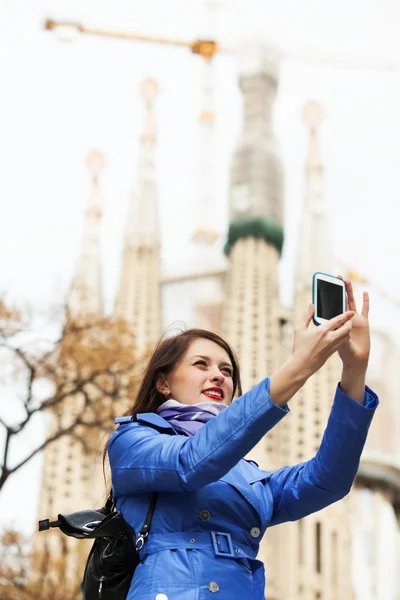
x: 165, y: 358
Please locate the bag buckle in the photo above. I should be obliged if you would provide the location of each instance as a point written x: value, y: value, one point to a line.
x: 90, y: 527
x: 140, y: 541
x: 219, y: 538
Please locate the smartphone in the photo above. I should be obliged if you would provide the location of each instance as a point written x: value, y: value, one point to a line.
x: 329, y: 297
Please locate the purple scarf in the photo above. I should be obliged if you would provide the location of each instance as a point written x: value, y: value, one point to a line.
x: 189, y: 418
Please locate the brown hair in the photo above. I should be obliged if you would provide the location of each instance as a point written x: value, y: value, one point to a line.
x: 165, y: 358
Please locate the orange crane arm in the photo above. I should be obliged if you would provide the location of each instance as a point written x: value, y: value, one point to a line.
x: 205, y: 48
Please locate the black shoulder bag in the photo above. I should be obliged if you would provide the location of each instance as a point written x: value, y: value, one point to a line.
x: 115, y: 553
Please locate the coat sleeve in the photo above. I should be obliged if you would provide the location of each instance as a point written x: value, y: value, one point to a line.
x: 310, y: 486
x: 143, y: 460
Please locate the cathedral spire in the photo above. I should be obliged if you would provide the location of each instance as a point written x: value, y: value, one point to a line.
x: 142, y: 226
x: 138, y: 298
x: 314, y: 249
x: 85, y: 298
x: 256, y: 199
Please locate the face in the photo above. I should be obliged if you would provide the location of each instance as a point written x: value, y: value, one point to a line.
x: 204, y: 374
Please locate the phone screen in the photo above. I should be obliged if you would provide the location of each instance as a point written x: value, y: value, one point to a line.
x: 329, y: 299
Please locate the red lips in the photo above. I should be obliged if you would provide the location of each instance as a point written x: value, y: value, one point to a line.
x: 218, y: 396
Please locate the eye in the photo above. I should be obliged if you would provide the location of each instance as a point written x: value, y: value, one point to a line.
x: 228, y: 370
x: 201, y: 362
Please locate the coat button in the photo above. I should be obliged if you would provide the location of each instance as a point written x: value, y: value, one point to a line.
x: 205, y: 515
x: 213, y: 587
x: 255, y: 532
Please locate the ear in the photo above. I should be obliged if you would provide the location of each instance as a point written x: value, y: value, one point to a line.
x: 162, y: 385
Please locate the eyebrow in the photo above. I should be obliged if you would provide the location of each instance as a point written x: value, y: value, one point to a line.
x: 208, y: 358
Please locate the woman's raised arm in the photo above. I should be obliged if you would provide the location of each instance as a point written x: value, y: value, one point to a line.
x: 310, y: 486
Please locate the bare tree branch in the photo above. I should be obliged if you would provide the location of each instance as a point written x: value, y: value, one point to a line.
x: 90, y: 368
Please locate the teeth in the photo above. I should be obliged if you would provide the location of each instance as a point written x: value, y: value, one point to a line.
x: 213, y: 393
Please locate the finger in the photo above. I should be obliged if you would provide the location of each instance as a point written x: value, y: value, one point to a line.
x: 345, y: 283
x: 309, y: 315
x: 351, y: 301
x: 365, y: 306
x: 341, y: 342
x: 342, y: 333
x: 351, y: 304
x: 340, y: 320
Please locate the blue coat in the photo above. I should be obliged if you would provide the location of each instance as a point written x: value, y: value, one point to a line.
x: 214, y: 506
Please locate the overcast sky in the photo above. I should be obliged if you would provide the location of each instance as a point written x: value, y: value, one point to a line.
x: 60, y: 100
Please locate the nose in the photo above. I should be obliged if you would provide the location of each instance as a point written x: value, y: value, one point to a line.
x: 217, y: 376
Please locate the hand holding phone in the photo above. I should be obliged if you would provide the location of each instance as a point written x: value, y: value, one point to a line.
x: 328, y: 297
x: 333, y: 296
x: 355, y: 354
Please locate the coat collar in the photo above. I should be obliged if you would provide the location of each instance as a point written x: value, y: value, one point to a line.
x: 157, y: 422
x: 152, y: 419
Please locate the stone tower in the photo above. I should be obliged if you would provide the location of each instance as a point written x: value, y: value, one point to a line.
x: 251, y: 314
x: 86, y: 298
x: 208, y: 292
x: 319, y: 562
x: 69, y: 480
x: 138, y: 298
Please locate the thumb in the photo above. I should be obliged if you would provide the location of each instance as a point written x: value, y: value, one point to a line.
x: 309, y: 315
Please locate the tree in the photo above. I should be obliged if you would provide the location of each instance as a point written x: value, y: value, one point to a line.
x: 14, y: 566
x: 89, y: 366
x: 16, y: 582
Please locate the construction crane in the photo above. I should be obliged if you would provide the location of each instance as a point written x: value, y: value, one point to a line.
x: 208, y: 48
x: 68, y: 30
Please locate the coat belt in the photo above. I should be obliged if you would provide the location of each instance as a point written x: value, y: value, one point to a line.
x: 221, y: 543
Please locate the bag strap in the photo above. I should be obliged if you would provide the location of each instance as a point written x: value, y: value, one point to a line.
x: 144, y: 532
x: 147, y: 522
x: 110, y: 504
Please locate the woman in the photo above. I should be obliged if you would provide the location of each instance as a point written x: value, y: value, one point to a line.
x: 214, y: 506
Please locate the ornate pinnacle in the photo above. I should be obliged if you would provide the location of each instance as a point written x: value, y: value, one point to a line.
x: 149, y: 89
x: 313, y: 115
x: 95, y: 164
